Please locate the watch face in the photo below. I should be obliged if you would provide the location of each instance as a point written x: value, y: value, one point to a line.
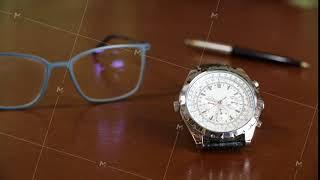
x: 220, y: 101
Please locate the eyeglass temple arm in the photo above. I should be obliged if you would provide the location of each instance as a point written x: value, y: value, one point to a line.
x: 110, y: 37
x: 107, y: 39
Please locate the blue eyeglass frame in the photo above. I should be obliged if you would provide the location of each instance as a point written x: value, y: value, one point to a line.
x: 142, y: 47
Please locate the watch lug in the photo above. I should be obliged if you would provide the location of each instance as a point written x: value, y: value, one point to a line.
x: 248, y: 135
x: 196, y: 137
x: 192, y: 74
x: 259, y: 124
x: 176, y: 106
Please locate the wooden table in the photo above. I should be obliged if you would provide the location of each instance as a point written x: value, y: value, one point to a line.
x: 137, y: 138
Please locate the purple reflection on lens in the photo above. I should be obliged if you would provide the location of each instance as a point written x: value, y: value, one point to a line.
x: 117, y: 64
x: 115, y: 52
x: 98, y: 51
x: 98, y: 69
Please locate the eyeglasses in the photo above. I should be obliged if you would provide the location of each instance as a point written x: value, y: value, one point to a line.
x: 103, y: 74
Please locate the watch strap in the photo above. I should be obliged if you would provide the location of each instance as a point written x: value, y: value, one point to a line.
x: 230, y: 143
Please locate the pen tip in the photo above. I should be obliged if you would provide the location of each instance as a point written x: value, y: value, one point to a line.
x: 304, y: 64
x: 188, y: 42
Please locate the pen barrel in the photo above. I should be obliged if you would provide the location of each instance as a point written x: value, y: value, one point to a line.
x: 251, y: 54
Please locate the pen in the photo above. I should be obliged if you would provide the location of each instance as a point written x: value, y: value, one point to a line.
x: 246, y: 53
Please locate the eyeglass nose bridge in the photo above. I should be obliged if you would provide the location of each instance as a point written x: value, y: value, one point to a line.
x: 59, y: 65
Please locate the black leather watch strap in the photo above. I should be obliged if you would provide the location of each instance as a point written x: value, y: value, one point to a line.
x: 230, y: 143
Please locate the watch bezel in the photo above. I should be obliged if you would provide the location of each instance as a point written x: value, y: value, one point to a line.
x: 198, y: 131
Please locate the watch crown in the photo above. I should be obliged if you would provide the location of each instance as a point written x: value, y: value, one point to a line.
x: 261, y: 104
x: 176, y: 106
x: 255, y: 83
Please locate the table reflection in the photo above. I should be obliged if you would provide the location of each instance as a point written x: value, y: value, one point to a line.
x: 225, y: 170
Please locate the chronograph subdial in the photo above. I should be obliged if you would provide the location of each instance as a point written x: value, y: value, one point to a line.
x: 220, y: 103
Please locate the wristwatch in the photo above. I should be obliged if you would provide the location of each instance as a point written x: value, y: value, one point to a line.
x: 220, y: 106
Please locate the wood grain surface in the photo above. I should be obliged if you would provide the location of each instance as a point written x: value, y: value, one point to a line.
x: 65, y: 137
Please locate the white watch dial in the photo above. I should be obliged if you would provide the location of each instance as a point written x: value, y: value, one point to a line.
x: 220, y: 101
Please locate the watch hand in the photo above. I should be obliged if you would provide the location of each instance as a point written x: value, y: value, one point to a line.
x: 212, y: 100
x: 223, y: 98
x: 229, y: 107
x: 225, y: 108
x: 216, y: 115
x: 220, y: 101
x: 213, y: 103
